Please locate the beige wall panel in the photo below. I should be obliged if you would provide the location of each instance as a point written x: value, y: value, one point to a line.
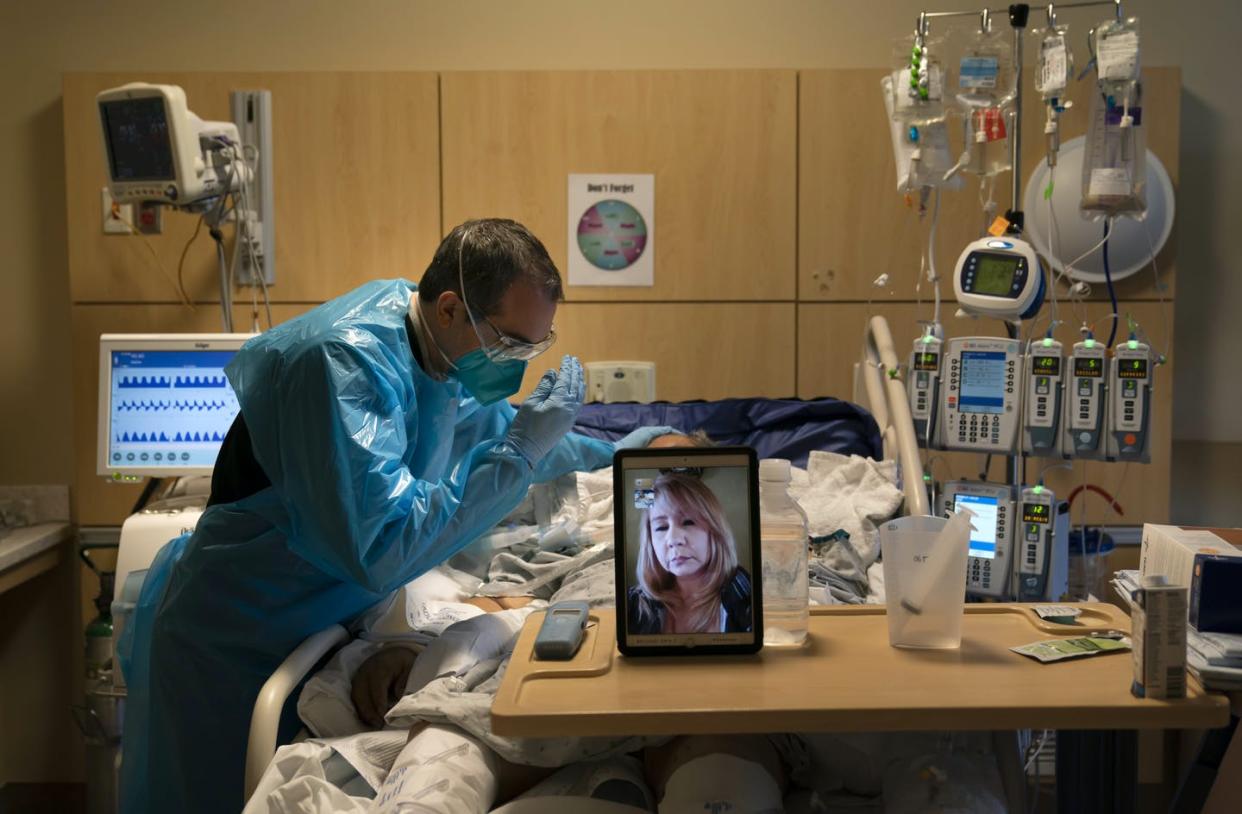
x: 356, y: 165
x: 96, y: 501
x: 701, y: 351
x: 853, y: 224
x: 721, y: 144
x: 829, y: 341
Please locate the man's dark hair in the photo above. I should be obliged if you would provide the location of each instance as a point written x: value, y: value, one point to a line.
x: 495, y: 254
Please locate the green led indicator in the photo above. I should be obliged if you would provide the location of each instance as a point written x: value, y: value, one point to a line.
x: 1039, y: 490
x: 927, y: 339
x: 1090, y: 343
x: 1133, y: 343
x: 1047, y: 341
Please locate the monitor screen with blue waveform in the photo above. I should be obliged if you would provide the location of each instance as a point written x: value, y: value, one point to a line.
x: 170, y: 409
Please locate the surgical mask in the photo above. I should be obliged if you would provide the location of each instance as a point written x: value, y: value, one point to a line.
x: 486, y: 381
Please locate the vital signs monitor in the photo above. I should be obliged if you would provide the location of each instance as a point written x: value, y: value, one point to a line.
x: 156, y: 149
x: 165, y: 404
x: 999, y: 277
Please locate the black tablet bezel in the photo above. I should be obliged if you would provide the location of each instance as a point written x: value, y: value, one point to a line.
x: 656, y: 458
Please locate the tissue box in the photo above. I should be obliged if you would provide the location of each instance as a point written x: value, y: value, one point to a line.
x: 1215, y: 598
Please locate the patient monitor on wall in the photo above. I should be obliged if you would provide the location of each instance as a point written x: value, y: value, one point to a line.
x: 156, y: 149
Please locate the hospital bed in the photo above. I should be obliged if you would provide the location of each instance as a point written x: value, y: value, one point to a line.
x: 779, y: 428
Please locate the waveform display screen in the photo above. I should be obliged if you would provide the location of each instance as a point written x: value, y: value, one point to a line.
x: 169, y: 408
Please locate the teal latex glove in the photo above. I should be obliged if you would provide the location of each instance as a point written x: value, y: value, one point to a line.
x: 549, y: 412
x: 643, y: 436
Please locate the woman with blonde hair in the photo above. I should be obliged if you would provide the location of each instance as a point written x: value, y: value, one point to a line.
x: 689, y: 580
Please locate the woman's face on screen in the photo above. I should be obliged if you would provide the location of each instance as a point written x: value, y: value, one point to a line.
x: 682, y: 543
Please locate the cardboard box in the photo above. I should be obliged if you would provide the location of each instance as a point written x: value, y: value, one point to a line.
x: 1169, y: 551
x: 1158, y: 638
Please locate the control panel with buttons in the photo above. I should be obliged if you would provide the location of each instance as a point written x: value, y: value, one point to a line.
x: 1041, y: 424
x: 981, y: 396
x: 1086, y: 395
x: 1130, y: 384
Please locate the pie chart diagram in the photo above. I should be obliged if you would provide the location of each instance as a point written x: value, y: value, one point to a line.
x: 612, y: 235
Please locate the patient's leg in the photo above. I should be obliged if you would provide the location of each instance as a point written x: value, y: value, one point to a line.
x: 440, y: 769
x: 471, y: 773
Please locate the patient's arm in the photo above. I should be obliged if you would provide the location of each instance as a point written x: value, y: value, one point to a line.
x: 379, y: 683
x: 492, y: 604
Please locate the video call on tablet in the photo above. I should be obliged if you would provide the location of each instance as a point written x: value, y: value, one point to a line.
x: 687, y: 558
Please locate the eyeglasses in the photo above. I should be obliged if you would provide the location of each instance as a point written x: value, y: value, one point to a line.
x: 506, y: 347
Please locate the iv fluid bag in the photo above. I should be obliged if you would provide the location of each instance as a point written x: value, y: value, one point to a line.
x: 1056, y: 63
x: 920, y: 151
x: 1114, y: 167
x: 985, y: 71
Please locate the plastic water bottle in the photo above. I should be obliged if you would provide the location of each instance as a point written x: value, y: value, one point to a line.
x: 784, y: 541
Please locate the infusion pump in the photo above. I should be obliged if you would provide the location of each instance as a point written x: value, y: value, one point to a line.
x: 981, y: 395
x: 1041, y: 424
x: 991, y: 535
x: 1019, y: 540
x: 923, y: 387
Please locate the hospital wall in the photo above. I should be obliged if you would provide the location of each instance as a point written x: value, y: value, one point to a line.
x: 761, y: 291
x: 772, y: 220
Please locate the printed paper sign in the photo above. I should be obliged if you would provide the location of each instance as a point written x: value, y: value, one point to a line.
x: 611, y: 230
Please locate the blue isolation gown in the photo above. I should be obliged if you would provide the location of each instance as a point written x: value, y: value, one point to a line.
x: 378, y: 473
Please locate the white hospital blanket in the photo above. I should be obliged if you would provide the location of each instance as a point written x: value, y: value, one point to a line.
x: 849, y: 493
x: 465, y: 700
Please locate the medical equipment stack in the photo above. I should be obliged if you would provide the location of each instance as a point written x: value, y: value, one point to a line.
x: 165, y: 405
x: 784, y: 542
x: 1022, y: 394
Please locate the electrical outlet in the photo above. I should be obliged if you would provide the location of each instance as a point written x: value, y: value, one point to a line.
x: 150, y: 220
x: 112, y: 224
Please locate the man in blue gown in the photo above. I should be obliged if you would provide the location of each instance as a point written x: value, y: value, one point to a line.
x: 374, y: 441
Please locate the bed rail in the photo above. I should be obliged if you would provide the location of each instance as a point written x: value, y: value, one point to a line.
x: 265, y: 721
x: 879, y: 387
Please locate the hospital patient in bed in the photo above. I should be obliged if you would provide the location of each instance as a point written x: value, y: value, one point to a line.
x: 686, y: 773
x: 455, y: 764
